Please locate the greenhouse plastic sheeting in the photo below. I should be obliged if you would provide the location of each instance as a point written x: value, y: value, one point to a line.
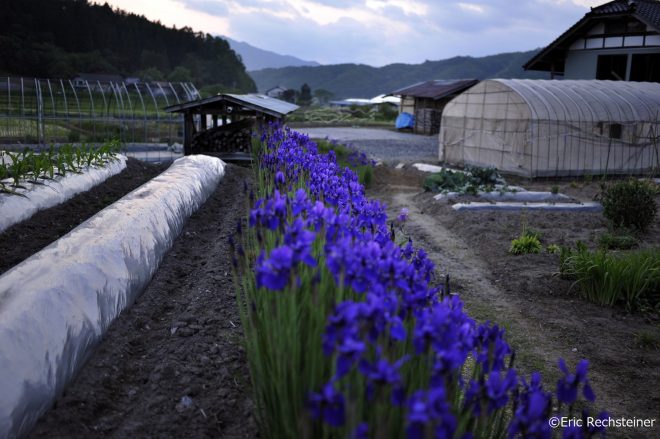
x: 550, y: 128
x: 55, y: 306
x: 14, y: 209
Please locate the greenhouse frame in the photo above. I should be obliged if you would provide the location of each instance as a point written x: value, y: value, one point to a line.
x: 554, y: 128
x: 39, y: 112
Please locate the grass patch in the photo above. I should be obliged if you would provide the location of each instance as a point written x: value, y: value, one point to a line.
x: 618, y: 240
x: 647, y: 340
x: 631, y: 279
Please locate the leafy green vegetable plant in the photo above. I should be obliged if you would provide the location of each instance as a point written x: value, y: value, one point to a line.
x: 525, y: 244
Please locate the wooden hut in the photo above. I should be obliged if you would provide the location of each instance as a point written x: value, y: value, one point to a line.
x: 222, y: 125
x: 425, y: 100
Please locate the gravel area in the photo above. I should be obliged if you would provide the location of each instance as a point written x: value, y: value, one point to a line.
x: 382, y: 144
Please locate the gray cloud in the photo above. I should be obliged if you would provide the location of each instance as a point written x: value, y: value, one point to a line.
x: 448, y: 28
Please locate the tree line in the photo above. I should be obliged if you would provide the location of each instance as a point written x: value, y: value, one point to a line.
x: 61, y: 38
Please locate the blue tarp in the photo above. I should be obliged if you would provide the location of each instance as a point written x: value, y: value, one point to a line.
x: 404, y: 120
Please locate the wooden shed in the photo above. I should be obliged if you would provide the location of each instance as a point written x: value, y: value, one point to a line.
x: 425, y: 100
x: 222, y: 125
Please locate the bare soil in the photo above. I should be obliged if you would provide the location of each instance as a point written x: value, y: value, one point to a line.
x: 173, y: 364
x: 544, y: 316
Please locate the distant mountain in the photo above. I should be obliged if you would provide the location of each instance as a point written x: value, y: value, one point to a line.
x: 256, y: 59
x: 362, y: 81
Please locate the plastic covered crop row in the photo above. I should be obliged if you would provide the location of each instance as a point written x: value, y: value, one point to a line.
x: 14, y: 209
x: 55, y: 306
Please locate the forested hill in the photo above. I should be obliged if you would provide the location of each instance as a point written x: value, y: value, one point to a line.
x: 61, y: 38
x: 362, y: 81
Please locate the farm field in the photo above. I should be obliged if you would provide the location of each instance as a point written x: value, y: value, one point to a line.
x: 544, y: 317
x: 181, y: 338
x: 175, y: 363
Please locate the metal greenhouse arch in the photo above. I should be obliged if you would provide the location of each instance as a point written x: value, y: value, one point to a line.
x: 37, y: 112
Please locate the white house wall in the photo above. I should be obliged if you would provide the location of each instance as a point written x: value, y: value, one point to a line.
x: 582, y: 64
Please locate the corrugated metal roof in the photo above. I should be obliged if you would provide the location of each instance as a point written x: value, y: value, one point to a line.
x: 265, y: 102
x: 258, y: 102
x: 436, y: 88
x: 647, y: 11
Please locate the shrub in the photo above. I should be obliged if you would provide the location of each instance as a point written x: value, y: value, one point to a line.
x: 629, y: 204
x: 631, y: 279
x: 618, y: 241
x: 554, y: 190
x: 525, y: 244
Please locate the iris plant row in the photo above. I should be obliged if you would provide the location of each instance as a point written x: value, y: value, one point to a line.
x: 348, y: 334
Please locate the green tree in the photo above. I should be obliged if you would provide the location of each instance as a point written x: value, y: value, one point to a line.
x: 323, y: 96
x: 289, y: 95
x: 180, y: 74
x: 151, y: 74
x: 305, y: 97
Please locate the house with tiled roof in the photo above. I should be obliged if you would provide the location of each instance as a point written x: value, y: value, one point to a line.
x: 619, y: 40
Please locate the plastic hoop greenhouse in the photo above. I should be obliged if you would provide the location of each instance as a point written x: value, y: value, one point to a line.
x: 37, y: 112
x: 546, y: 128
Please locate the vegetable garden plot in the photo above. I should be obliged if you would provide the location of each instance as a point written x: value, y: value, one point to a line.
x: 56, y: 305
x: 30, y: 182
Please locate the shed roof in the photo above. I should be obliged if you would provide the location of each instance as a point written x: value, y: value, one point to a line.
x: 647, y: 11
x: 257, y: 102
x: 587, y: 100
x: 436, y: 88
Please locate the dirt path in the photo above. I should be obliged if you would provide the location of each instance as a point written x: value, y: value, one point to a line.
x: 542, y: 327
x: 172, y: 366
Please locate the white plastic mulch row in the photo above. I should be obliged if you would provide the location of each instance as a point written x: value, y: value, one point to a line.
x: 424, y: 167
x: 14, y: 209
x: 575, y: 207
x: 55, y: 306
x: 519, y: 196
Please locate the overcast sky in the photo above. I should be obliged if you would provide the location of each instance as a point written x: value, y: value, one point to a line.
x: 375, y: 32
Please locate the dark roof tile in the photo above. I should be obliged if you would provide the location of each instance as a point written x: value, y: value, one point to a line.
x: 436, y: 88
x: 647, y: 11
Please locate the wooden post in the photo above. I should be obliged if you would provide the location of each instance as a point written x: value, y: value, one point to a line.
x: 215, y: 121
x: 202, y: 122
x: 188, y: 127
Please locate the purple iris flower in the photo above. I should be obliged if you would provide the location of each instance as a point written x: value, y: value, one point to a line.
x: 328, y: 405
x: 567, y: 386
x: 274, y: 272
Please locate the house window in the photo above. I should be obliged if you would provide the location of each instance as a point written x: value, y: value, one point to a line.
x: 645, y: 67
x: 612, y: 67
x: 615, y: 131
